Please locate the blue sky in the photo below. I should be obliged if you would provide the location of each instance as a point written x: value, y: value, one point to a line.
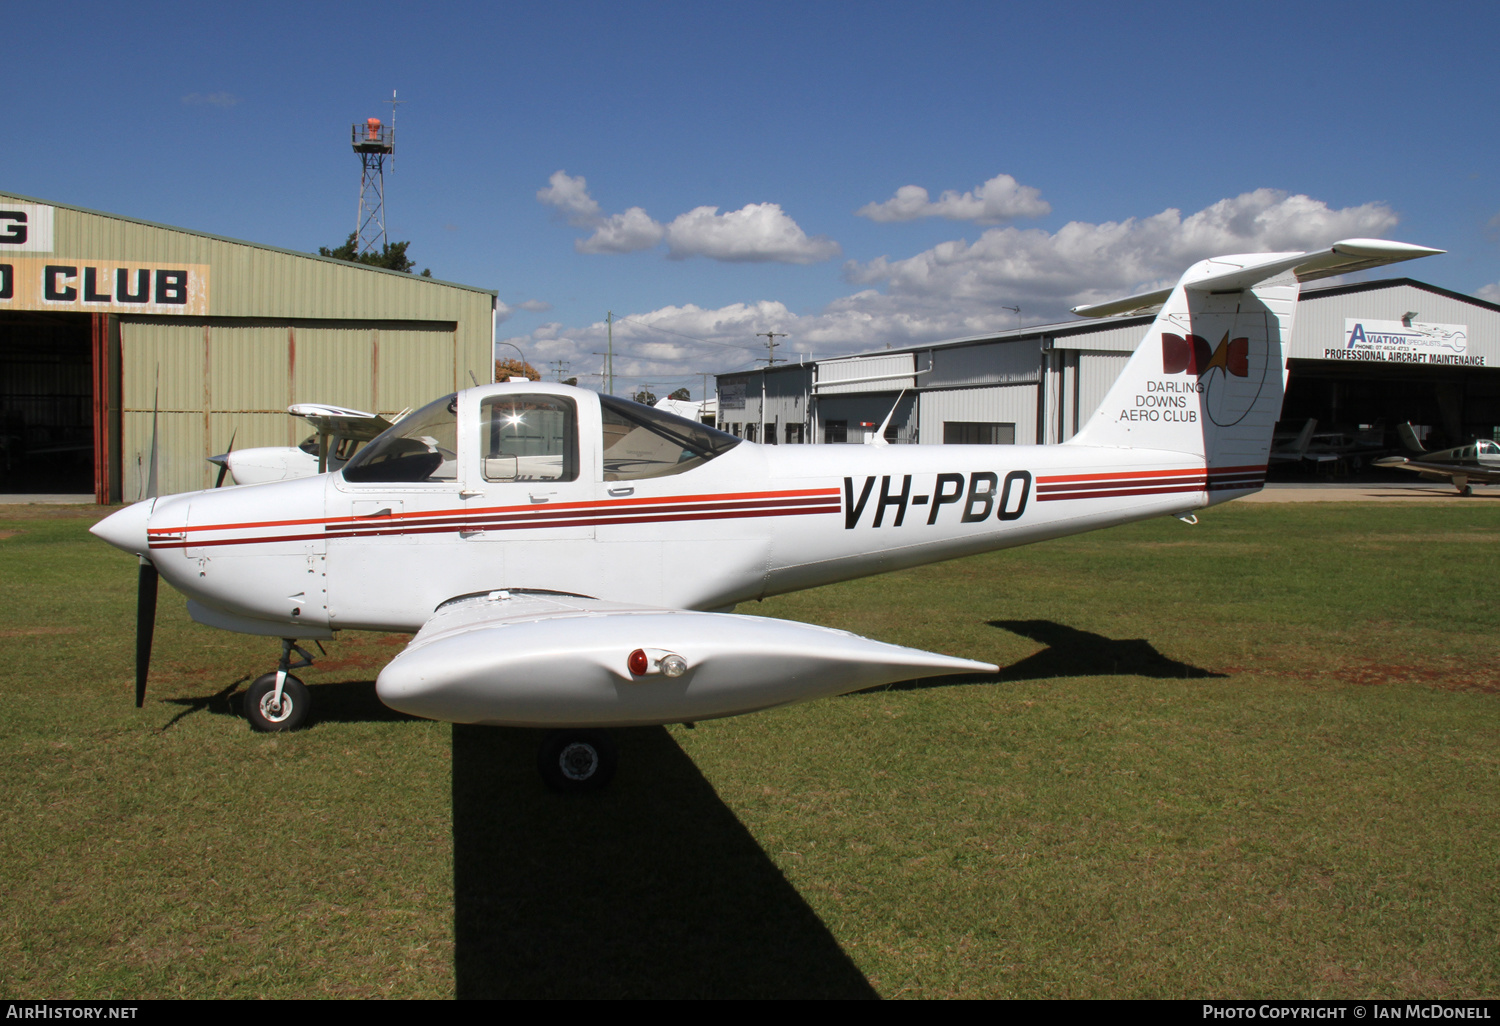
x: 712, y: 170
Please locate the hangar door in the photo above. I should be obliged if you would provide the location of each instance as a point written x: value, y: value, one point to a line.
x: 46, y: 400
x: 211, y: 381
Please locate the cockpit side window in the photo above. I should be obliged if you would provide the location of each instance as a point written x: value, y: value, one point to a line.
x: 641, y: 441
x: 420, y: 447
x: 529, y: 438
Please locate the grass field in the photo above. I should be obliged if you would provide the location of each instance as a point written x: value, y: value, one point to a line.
x: 1259, y: 757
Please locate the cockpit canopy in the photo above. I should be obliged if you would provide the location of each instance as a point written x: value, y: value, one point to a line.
x: 641, y: 441
x: 422, y: 446
x: 528, y: 436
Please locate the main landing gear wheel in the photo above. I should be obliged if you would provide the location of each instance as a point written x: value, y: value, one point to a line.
x: 577, y: 760
x: 265, y: 714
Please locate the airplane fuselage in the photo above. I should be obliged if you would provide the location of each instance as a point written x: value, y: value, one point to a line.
x: 303, y: 557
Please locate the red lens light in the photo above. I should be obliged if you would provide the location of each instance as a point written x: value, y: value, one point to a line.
x: 638, y: 662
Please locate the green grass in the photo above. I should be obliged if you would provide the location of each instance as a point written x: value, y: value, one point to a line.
x: 1258, y: 757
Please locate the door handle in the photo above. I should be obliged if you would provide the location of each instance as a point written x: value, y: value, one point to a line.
x: 617, y: 492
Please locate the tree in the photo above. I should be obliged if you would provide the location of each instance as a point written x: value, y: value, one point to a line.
x: 392, y: 256
x: 682, y: 394
x: 512, y: 367
x: 645, y: 398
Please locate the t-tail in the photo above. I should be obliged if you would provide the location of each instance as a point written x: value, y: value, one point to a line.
x: 1209, y: 377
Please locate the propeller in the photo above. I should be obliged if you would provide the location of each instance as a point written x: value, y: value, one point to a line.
x: 145, y: 626
x: 223, y: 461
x: 146, y: 581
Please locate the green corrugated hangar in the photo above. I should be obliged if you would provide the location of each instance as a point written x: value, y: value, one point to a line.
x: 105, y: 319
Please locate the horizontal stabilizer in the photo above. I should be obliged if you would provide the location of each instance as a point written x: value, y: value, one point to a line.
x: 336, y: 420
x: 548, y: 660
x: 1236, y: 273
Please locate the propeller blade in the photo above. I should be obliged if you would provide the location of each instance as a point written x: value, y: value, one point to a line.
x: 224, y: 466
x: 145, y: 627
x: 151, y: 469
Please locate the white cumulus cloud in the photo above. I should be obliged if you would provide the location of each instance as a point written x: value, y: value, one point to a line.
x: 622, y: 233
x: 757, y: 232
x: 960, y: 288
x: 1489, y: 293
x: 1002, y: 198
x: 571, y: 198
x: 1084, y: 262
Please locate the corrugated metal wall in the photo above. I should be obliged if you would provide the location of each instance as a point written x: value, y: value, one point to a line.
x: 1096, y: 373
x: 280, y: 327
x: 252, y: 280
x: 865, y: 367
x: 995, y: 363
x: 210, y: 381
x: 1320, y: 319
x: 1000, y: 404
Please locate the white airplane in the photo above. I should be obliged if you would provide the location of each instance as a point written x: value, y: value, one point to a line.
x: 338, y: 434
x: 570, y: 560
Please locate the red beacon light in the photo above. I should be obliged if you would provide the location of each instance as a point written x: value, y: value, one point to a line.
x: 668, y: 664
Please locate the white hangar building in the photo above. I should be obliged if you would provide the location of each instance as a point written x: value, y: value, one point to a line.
x: 1364, y: 358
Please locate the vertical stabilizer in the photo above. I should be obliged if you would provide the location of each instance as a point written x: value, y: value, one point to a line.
x: 1209, y: 377
x: 1207, y: 381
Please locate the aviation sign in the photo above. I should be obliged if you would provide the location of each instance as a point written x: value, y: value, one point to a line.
x: 1374, y: 341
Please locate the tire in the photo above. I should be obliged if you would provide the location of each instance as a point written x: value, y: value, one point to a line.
x: 294, y: 704
x: 574, y: 761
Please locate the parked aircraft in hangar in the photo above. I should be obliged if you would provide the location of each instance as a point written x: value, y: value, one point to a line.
x: 1465, y: 465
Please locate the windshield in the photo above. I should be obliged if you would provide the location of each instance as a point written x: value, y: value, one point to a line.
x: 420, y: 447
x: 642, y: 441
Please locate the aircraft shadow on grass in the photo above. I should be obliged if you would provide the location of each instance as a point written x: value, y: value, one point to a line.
x: 1070, y: 652
x: 650, y: 888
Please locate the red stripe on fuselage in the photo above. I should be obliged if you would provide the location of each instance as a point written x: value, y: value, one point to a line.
x: 511, y: 518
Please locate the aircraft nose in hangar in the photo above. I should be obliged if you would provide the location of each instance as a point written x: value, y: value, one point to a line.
x: 126, y: 529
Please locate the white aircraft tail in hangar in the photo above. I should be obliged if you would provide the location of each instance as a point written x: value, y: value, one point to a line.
x: 569, y: 560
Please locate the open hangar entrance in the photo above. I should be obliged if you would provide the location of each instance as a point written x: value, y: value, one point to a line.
x: 53, y: 418
x: 1454, y: 405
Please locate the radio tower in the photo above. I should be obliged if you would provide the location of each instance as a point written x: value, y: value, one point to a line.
x: 373, y: 142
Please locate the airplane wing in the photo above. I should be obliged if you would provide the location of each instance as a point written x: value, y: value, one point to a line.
x: 546, y: 659
x: 1439, y: 471
x: 336, y: 420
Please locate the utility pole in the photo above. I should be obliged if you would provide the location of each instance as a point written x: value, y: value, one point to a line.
x: 609, y: 367
x: 559, y: 368
x: 771, y: 344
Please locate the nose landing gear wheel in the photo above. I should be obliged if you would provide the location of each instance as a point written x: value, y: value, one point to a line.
x: 265, y: 714
x: 577, y: 760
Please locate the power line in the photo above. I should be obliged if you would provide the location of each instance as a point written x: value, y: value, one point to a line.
x: 669, y: 331
x: 771, y: 344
